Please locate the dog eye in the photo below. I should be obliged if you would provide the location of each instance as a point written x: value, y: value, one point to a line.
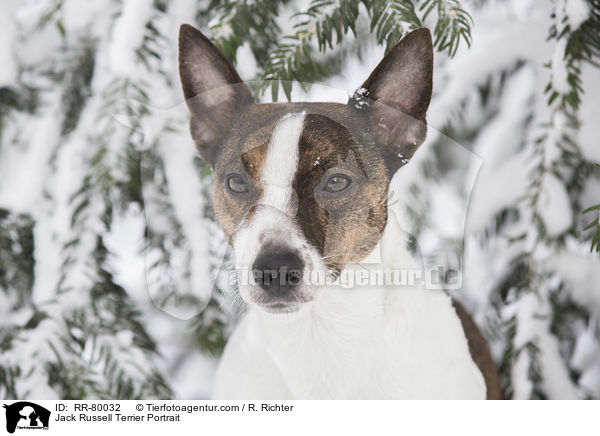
x: 337, y: 183
x: 237, y: 184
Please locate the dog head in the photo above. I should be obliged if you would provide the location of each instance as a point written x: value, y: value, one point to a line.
x: 301, y: 188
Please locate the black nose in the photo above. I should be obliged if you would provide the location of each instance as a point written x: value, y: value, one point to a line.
x: 278, y: 272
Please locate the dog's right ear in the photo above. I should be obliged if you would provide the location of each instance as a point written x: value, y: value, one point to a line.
x: 214, y: 91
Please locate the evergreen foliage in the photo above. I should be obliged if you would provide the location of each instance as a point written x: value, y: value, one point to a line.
x: 73, y: 324
x: 594, y: 226
x: 536, y: 314
x: 285, y: 58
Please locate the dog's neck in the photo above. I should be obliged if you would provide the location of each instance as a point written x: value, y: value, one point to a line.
x: 335, y: 346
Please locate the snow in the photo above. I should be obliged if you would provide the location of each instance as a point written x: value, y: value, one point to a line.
x: 47, y: 255
x: 125, y: 338
x: 185, y: 193
x: 559, y: 67
x: 581, y: 273
x: 523, y: 386
x: 495, y: 46
x: 490, y: 195
x: 27, y: 167
x: 590, y: 108
x: 8, y: 72
x: 585, y: 358
x: 26, y: 354
x: 501, y: 138
x: 448, y: 211
x: 83, y: 17
x: 127, y: 37
x: 554, y: 206
x: 41, y: 42
x: 532, y: 326
x: 197, y: 367
x: 590, y: 195
x: 504, y: 170
x: 576, y: 11
x: 181, y: 364
x: 246, y: 62
x: 552, y: 151
x: 557, y: 382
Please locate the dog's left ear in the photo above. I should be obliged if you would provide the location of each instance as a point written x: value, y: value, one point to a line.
x: 400, y: 91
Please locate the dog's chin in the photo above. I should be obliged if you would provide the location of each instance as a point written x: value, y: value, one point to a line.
x: 277, y: 308
x: 276, y: 305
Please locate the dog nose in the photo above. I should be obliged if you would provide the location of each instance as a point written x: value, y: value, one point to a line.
x: 278, y: 272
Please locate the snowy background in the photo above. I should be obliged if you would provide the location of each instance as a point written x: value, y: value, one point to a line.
x: 109, y: 253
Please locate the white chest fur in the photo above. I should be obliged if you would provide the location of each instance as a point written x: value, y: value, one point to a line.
x: 369, y: 342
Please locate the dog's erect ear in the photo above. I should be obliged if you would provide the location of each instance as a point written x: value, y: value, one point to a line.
x: 214, y: 92
x: 400, y: 91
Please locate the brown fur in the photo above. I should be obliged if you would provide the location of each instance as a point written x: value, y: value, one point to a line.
x: 480, y: 353
x: 369, y: 139
x: 343, y: 229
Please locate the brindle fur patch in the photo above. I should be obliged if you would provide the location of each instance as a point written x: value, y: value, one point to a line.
x: 335, y: 136
x: 344, y: 228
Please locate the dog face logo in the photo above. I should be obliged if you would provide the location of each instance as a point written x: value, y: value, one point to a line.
x: 303, y: 187
x: 26, y: 415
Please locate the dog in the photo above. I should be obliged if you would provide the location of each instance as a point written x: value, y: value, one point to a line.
x: 301, y: 191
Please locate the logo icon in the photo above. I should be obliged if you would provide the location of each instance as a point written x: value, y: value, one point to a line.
x: 26, y: 415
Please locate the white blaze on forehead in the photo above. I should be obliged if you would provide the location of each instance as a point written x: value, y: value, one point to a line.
x: 272, y: 221
x: 282, y: 162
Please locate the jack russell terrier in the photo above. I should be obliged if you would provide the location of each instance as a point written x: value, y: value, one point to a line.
x: 301, y: 191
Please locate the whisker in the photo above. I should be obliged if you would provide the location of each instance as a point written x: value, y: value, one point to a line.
x: 333, y: 255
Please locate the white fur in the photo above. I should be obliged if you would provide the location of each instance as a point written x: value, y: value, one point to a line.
x: 271, y: 221
x: 274, y: 208
x: 377, y: 342
x: 281, y: 163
